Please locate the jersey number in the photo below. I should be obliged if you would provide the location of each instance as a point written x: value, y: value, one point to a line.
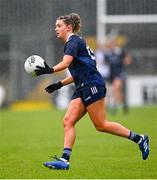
x: 91, y: 53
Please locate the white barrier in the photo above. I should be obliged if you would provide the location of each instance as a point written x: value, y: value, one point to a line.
x: 2, y: 95
x: 141, y: 90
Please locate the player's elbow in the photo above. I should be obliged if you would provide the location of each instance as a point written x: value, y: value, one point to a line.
x: 66, y: 65
x: 67, y: 60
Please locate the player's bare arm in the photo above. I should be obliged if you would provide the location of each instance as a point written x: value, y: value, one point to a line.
x: 67, y: 80
x: 67, y: 60
x: 55, y: 86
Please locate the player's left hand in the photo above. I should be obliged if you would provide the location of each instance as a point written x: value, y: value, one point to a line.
x: 53, y: 87
x: 43, y: 70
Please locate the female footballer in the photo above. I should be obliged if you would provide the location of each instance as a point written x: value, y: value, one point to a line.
x: 89, y: 93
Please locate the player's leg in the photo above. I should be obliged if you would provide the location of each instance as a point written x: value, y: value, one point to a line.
x: 74, y: 113
x: 124, y: 93
x: 117, y: 85
x: 102, y: 124
x: 100, y: 120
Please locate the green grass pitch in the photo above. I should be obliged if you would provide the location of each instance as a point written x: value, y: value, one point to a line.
x: 27, y: 139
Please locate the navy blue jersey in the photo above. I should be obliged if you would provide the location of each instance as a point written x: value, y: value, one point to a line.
x: 83, y: 67
x: 115, y: 60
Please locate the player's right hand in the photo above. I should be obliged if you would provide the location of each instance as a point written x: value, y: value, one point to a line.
x: 53, y: 87
x: 43, y: 70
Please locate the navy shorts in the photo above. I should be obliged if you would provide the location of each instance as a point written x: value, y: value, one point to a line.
x: 90, y: 94
x: 120, y: 75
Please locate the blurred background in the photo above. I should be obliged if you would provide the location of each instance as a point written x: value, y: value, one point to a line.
x: 27, y: 28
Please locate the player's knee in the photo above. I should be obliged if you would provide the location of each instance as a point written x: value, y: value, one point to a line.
x: 68, y: 121
x: 101, y: 127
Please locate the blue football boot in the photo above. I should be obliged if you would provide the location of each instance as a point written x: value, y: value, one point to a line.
x: 59, y: 163
x: 144, y: 146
